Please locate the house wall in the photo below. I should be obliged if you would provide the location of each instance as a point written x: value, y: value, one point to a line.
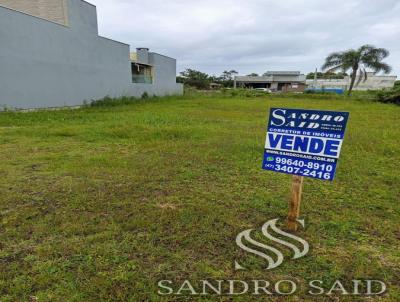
x: 43, y: 64
x: 274, y: 86
x: 164, y: 69
x: 294, y: 87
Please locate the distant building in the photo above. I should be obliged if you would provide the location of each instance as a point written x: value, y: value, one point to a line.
x: 51, y: 55
x: 215, y: 86
x: 373, y: 82
x: 285, y: 81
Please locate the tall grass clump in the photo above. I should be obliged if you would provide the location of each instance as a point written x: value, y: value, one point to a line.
x: 112, y: 102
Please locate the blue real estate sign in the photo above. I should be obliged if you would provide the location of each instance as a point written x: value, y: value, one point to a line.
x: 304, y: 142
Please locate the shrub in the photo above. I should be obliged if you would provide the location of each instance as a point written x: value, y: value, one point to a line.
x: 389, y: 96
x: 248, y: 93
x: 111, y: 102
x: 320, y: 92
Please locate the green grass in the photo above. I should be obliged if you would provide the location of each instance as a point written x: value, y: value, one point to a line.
x: 100, y: 203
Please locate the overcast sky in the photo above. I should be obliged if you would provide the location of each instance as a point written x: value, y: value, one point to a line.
x: 252, y: 35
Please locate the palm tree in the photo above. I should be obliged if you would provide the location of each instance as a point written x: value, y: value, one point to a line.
x: 367, y: 56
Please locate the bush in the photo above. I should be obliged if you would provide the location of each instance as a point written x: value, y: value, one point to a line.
x: 320, y: 92
x: 389, y: 96
x: 248, y: 93
x: 111, y: 102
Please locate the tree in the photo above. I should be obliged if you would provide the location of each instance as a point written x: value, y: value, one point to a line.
x: 201, y: 80
x: 311, y: 75
x: 253, y: 74
x: 226, y: 78
x: 367, y: 56
x: 326, y: 75
x: 194, y: 78
x: 228, y: 75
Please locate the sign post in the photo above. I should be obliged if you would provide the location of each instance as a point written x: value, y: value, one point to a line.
x: 304, y: 143
x: 295, y: 201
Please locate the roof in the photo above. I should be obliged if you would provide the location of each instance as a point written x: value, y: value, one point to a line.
x: 275, y: 77
x: 294, y: 73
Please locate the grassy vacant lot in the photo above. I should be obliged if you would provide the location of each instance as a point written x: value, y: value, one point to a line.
x: 99, y: 204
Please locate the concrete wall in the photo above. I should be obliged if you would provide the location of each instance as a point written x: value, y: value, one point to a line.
x: 43, y: 64
x: 374, y: 82
x: 142, y: 55
x: 164, y: 69
x: 82, y: 17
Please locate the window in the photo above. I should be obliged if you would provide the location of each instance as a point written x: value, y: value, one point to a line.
x: 141, y: 73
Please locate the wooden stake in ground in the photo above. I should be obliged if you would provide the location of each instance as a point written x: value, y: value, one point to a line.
x: 295, y: 201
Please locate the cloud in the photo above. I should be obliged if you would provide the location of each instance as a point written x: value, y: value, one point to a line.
x: 253, y: 35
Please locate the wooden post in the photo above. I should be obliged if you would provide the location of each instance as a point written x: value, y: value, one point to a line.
x: 294, y: 205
